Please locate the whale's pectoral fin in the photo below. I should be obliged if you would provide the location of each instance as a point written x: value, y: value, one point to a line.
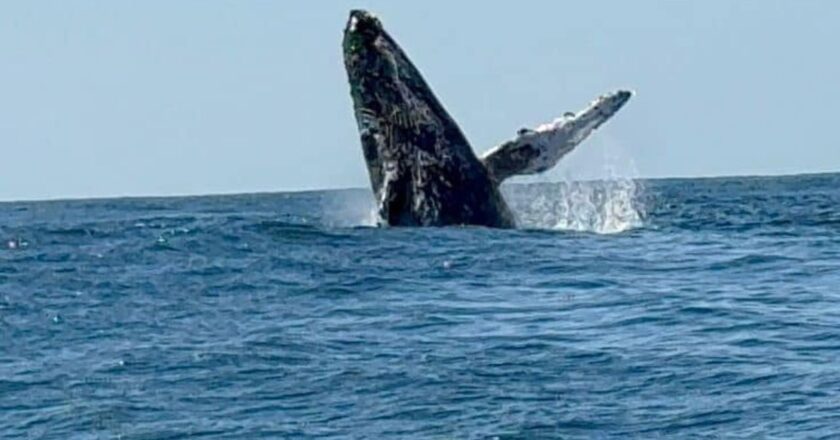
x: 537, y: 150
x: 511, y: 158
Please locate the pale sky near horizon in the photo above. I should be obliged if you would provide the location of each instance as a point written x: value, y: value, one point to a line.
x: 102, y: 98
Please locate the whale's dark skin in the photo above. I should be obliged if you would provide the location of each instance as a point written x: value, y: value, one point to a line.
x: 422, y: 169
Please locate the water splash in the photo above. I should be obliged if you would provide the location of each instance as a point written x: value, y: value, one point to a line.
x: 609, y: 203
x: 372, y: 218
x: 603, y: 206
x: 348, y: 208
x: 598, y: 191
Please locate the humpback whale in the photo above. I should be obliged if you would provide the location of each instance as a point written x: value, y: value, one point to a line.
x: 422, y: 170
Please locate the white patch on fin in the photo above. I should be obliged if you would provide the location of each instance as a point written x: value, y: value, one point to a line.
x: 555, y: 139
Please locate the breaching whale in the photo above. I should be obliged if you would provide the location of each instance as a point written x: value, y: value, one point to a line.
x: 422, y: 169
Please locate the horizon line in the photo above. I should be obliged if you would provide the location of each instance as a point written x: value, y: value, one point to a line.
x: 313, y: 190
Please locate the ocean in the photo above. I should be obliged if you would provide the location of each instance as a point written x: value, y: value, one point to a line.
x: 675, y: 308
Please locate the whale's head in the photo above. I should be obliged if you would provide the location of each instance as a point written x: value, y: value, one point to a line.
x: 402, y: 125
x: 362, y: 22
x: 369, y: 53
x: 383, y: 81
x: 378, y: 70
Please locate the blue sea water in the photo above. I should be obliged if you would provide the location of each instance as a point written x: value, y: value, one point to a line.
x: 713, y: 313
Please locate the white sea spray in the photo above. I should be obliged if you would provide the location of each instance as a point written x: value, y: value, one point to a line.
x: 609, y: 201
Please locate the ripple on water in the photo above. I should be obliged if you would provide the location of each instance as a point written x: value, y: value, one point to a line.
x: 272, y: 316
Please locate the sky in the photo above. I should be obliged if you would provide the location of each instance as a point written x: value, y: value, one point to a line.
x: 104, y: 98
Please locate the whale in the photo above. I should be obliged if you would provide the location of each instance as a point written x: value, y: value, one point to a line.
x: 422, y: 169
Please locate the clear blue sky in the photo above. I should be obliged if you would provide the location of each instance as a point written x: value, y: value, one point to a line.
x: 106, y: 98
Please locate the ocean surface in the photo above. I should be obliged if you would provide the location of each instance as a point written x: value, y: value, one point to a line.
x: 683, y: 308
